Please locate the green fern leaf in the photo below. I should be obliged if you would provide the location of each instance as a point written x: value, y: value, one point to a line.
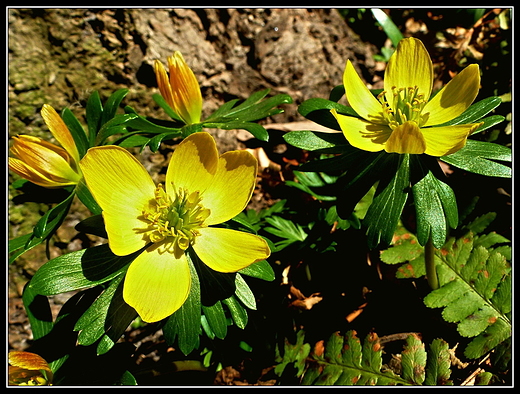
x: 470, y: 276
x: 346, y: 362
x: 438, y: 364
x: 413, y: 360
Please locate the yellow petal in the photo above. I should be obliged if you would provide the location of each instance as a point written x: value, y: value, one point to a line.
x: 193, y: 164
x: 359, y: 96
x: 44, y: 158
x: 36, y: 177
x: 187, y: 98
x: 27, y: 360
x: 232, y: 186
x: 409, y: 66
x: 406, y: 138
x: 226, y: 250
x: 122, y: 187
x: 157, y: 284
x: 60, y: 131
x: 454, y: 98
x: 361, y: 134
x: 163, y: 82
x: 441, y: 141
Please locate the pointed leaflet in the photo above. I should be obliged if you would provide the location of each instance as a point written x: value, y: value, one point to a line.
x: 384, y: 213
x: 436, y: 210
x: 477, y: 157
x: 413, y: 360
x: 185, y: 322
x: 216, y: 319
x: 238, y: 313
x: 78, y: 270
x: 438, y: 364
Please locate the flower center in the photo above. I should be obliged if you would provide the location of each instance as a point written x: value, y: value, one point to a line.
x: 407, y: 104
x: 174, y: 220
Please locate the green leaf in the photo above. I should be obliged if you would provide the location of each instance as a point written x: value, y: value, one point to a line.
x: 261, y: 270
x: 155, y: 143
x: 489, y: 122
x: 495, y: 334
x: 166, y: 107
x: 318, y: 110
x: 146, y: 125
x: 117, y: 125
x: 438, y: 364
x: 238, y: 313
x: 389, y: 27
x: 314, y: 140
x: 383, y: 215
x: 346, y: 362
x: 77, y: 270
x: 404, y: 247
x: 476, y: 111
x: 285, y: 229
x: 45, y: 227
x: 112, y: 105
x: 38, y: 311
x: 118, y: 318
x: 191, y: 128
x: 244, y: 293
x: 337, y: 93
x: 309, y: 181
x: 94, y: 113
x: 86, y: 197
x: 476, y: 157
x: 92, y: 323
x: 253, y: 108
x: 413, y: 360
x: 469, y: 277
x: 185, y: 323
x: 296, y: 354
x: 77, y: 131
x: 52, y: 218
x: 216, y: 319
x: 258, y: 131
x: 436, y: 210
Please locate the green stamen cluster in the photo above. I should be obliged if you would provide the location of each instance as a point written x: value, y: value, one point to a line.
x: 175, y: 221
x: 406, y: 105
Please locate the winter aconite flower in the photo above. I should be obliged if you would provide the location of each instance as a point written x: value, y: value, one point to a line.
x: 28, y: 369
x: 401, y: 118
x: 181, y: 91
x: 201, y: 190
x: 43, y: 163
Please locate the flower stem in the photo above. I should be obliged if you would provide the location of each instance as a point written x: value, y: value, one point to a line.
x: 429, y: 259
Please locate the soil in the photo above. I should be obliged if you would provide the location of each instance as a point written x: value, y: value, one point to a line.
x: 60, y: 56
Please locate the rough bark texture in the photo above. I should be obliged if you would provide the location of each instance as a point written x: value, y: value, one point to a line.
x: 59, y: 56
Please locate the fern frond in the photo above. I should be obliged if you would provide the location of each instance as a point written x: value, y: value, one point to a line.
x: 475, y: 291
x: 347, y: 361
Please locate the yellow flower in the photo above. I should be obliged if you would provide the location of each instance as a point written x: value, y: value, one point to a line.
x: 28, y: 369
x: 399, y: 120
x: 201, y: 190
x: 181, y: 91
x: 43, y: 163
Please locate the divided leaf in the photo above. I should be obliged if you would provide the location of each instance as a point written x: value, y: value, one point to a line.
x: 470, y: 277
x: 346, y: 360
